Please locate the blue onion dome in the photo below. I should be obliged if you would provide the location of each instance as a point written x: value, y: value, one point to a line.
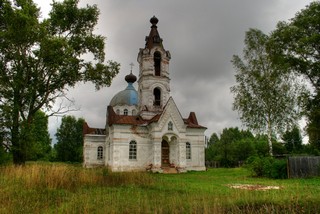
x: 128, y: 96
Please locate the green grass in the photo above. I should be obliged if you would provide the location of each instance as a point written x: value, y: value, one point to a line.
x: 62, y: 188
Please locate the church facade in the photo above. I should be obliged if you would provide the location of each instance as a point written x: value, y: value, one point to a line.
x: 144, y: 129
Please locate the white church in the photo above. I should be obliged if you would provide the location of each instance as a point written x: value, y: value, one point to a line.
x: 144, y: 129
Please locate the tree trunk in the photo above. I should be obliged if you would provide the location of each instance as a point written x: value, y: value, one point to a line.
x: 270, y: 138
x: 18, y: 144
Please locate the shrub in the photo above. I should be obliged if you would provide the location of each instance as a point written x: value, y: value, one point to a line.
x: 279, y: 169
x: 267, y: 167
x: 5, y: 156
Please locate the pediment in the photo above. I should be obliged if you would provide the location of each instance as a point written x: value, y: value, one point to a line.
x: 171, y: 113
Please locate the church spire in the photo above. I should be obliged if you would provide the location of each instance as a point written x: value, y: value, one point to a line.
x: 154, y: 37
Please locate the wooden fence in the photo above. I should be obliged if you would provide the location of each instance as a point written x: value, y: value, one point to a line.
x: 305, y: 166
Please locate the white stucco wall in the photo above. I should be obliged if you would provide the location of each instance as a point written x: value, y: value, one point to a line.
x: 90, y: 150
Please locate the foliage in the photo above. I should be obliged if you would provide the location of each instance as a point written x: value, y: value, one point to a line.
x: 293, y: 140
x: 5, y: 156
x: 69, y: 135
x: 294, y: 45
x: 268, y: 167
x: 313, y: 125
x: 39, y: 145
x: 235, y: 146
x: 41, y: 58
x: 232, y: 147
x: 265, y: 96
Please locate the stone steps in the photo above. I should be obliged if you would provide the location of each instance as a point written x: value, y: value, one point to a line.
x: 169, y: 170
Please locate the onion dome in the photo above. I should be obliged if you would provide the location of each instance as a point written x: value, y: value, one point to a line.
x: 128, y: 96
x: 130, y: 78
x: 154, y: 21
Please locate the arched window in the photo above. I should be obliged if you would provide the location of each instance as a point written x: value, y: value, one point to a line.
x: 125, y: 112
x: 157, y: 96
x: 157, y: 63
x: 170, y: 126
x: 118, y: 111
x: 134, y: 112
x: 100, y: 153
x: 132, y: 150
x: 188, y: 151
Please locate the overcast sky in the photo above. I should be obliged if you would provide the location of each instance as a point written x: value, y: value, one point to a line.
x: 201, y: 36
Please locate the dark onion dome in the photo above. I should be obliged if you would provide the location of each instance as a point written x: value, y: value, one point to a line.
x: 154, y: 20
x: 130, y: 78
x: 129, y: 96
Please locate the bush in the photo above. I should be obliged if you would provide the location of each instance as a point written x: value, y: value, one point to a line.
x: 5, y: 156
x: 279, y: 169
x: 267, y: 167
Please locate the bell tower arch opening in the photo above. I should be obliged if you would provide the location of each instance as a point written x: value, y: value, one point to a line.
x: 157, y: 63
x: 157, y: 97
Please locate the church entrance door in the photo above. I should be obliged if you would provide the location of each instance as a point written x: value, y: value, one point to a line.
x: 164, y: 153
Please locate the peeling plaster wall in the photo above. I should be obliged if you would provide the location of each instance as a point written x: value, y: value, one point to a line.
x: 90, y: 150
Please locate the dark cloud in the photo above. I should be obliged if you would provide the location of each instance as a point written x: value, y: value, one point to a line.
x: 201, y: 35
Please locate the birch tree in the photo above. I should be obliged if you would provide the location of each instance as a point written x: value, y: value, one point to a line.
x: 264, y: 96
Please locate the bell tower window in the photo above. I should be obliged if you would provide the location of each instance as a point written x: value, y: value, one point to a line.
x: 157, y: 96
x: 157, y: 63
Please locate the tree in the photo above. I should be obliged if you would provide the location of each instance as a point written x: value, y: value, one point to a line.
x: 233, y: 146
x: 211, y: 150
x: 69, y: 135
x: 40, y: 59
x: 293, y: 140
x: 39, y: 145
x: 265, y: 97
x: 296, y: 45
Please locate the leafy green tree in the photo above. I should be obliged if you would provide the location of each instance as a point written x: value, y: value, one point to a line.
x: 265, y: 97
x: 39, y: 145
x: 261, y: 145
x: 211, y: 151
x: 293, y: 140
x: 69, y: 135
x: 243, y: 149
x: 295, y: 45
x: 233, y: 146
x: 41, y: 58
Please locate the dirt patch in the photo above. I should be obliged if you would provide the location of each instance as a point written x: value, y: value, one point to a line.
x: 252, y: 187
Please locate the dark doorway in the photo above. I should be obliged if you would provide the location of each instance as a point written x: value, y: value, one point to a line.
x: 165, y: 153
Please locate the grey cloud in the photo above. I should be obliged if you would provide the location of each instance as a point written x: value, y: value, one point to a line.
x: 201, y: 35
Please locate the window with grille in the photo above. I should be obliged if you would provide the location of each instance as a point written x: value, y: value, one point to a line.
x: 188, y: 151
x: 100, y: 153
x: 132, y: 150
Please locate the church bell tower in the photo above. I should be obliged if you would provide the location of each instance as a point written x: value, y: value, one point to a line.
x: 154, y: 81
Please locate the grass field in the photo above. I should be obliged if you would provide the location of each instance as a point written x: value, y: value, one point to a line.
x: 63, y: 188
